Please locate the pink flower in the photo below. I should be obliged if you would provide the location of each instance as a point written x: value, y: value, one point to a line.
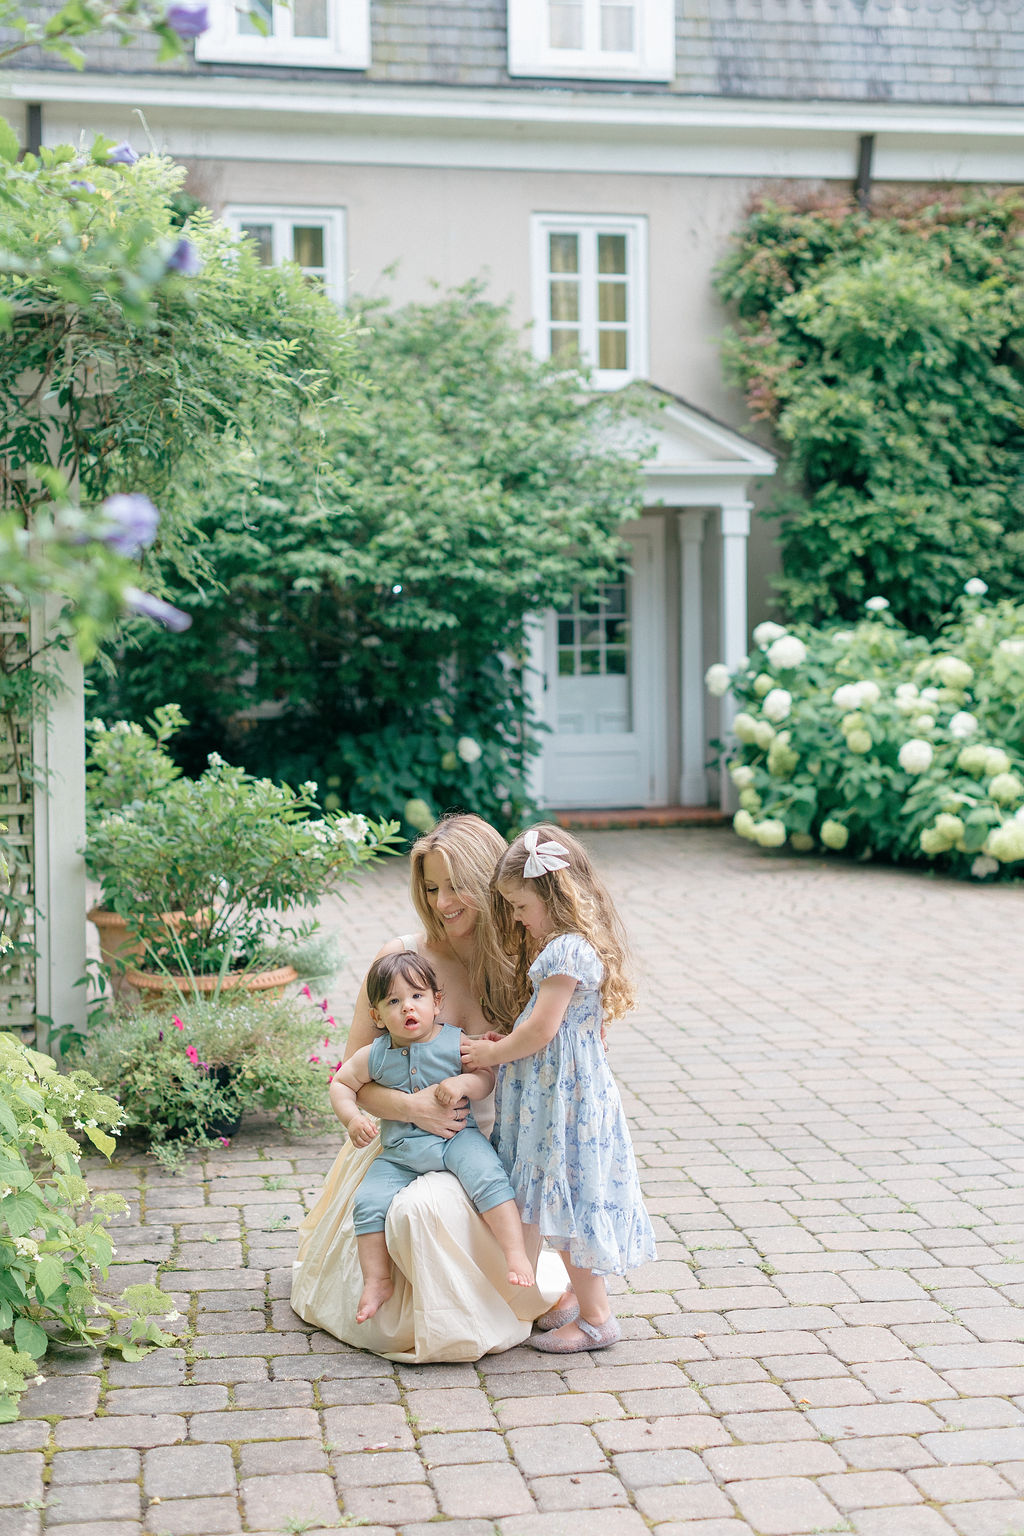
x: 305, y: 992
x: 225, y: 1141
x: 314, y: 1058
x: 330, y: 1019
x: 327, y: 1039
x: 192, y: 1054
x: 323, y: 1005
x: 177, y: 1022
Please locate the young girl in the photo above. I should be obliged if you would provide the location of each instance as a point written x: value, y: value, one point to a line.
x: 559, y: 1124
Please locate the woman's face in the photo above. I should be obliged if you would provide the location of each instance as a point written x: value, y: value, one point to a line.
x: 457, y: 914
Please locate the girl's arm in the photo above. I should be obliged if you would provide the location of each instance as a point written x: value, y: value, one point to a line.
x: 421, y: 1108
x: 350, y: 1077
x: 553, y: 997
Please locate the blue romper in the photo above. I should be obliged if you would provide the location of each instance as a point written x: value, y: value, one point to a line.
x: 406, y: 1151
x: 561, y: 1129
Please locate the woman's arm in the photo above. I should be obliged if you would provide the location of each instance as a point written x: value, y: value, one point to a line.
x: 553, y: 997
x: 421, y: 1108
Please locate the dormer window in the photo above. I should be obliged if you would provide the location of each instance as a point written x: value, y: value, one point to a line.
x: 592, y: 39
x: 328, y: 34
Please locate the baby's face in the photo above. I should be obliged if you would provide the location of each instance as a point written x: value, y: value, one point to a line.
x: 409, y: 1012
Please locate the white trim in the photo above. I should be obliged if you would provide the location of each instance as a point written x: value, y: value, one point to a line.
x: 282, y: 219
x: 347, y: 45
x: 589, y: 226
x: 693, y: 779
x: 653, y: 56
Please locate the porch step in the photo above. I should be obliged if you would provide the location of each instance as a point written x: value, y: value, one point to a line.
x: 656, y: 816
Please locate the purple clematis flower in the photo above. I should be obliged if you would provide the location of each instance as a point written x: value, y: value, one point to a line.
x: 185, y: 259
x: 155, y: 608
x: 122, y: 154
x: 82, y: 186
x: 132, y: 521
x: 188, y: 17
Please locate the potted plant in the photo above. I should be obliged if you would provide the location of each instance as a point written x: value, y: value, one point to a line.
x: 185, y: 1071
x: 235, y: 856
x: 126, y: 764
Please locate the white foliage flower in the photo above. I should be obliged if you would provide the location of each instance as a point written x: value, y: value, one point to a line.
x: 953, y: 672
x: 787, y: 652
x: 922, y: 723
x: 777, y: 704
x: 984, y: 865
x: 877, y: 604
x: 975, y: 587
x: 468, y: 749
x: 906, y: 695
x: 770, y: 833
x: 765, y: 633
x: 963, y: 724
x: 1012, y: 647
x: 915, y: 755
x: 716, y: 679
x: 741, y: 775
x: 354, y: 828
x: 1006, y: 843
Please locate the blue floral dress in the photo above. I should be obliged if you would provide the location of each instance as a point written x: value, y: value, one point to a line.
x: 561, y: 1130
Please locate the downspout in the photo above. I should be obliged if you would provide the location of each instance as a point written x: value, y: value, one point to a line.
x: 865, y: 156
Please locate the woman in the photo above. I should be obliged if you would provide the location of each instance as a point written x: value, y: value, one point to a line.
x: 452, y: 1300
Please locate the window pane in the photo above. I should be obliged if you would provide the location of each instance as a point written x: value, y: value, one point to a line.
x: 611, y: 349
x: 615, y: 631
x: 617, y: 28
x: 590, y: 662
x: 611, y: 254
x: 564, y: 252
x: 615, y: 662
x: 565, y: 24
x: 309, y: 18
x: 262, y: 11
x: 565, y: 300
x: 565, y: 346
x: 565, y: 632
x: 611, y: 302
x: 263, y: 234
x: 615, y: 599
x: 308, y: 245
x: 566, y: 664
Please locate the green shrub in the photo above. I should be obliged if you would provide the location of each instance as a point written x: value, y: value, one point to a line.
x: 185, y: 1071
x: 53, y: 1232
x: 885, y: 351
x: 884, y: 744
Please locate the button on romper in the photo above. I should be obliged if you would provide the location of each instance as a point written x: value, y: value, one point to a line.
x: 406, y: 1151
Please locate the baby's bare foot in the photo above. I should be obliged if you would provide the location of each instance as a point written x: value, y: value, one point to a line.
x: 375, y: 1294
x: 520, y: 1270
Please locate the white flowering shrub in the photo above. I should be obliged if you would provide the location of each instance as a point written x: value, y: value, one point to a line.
x: 53, y: 1233
x: 883, y: 744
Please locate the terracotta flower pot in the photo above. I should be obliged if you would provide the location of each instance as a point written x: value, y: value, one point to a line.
x: 154, y: 985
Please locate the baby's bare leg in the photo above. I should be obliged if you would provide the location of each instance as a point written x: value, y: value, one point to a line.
x: 504, y: 1221
x: 375, y: 1264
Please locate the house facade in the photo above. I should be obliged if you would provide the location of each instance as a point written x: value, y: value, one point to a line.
x: 589, y: 159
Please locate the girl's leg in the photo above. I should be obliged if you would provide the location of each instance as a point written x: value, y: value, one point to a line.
x: 594, y: 1310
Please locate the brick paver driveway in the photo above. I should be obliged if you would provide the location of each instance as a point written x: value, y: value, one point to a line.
x: 824, y: 1080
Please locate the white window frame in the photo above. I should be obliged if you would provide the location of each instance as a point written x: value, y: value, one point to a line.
x: 653, y: 57
x: 589, y: 226
x: 346, y: 47
x: 282, y: 220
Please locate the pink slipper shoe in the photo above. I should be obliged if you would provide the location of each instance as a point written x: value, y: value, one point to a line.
x: 594, y: 1338
x: 558, y: 1319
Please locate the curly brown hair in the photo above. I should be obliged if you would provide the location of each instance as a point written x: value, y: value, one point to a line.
x: 470, y: 848
x: 576, y: 902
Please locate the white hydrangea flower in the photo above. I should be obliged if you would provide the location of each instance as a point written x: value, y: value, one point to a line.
x: 847, y: 696
x: 803, y: 842
x: 777, y: 704
x: 906, y: 695
x: 744, y: 727
x: 742, y: 775
x: 834, y: 835
x: 877, y: 604
x: 1006, y: 843
x: 787, y: 652
x: 26, y: 1248
x: 841, y: 637
x: 983, y: 866
x: 915, y: 755
x: 972, y: 759
x: 743, y: 823
x: 996, y: 761
x: 353, y: 828
x: 963, y: 724
x: 764, y: 734
x: 1012, y: 647
x: 763, y: 684
x: 953, y: 672
x: 765, y: 633
x: 975, y: 587
x: 922, y: 723
x: 716, y: 679
x: 770, y: 833
x: 468, y: 749
x: 859, y: 742
x: 1005, y: 788
x: 930, y: 695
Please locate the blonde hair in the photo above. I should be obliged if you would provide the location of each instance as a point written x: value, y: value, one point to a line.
x: 576, y: 902
x: 470, y: 848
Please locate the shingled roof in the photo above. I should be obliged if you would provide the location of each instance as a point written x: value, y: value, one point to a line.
x: 908, y: 51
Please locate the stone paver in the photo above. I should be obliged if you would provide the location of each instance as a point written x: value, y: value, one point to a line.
x: 824, y: 1082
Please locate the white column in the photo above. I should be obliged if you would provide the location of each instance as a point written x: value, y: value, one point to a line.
x: 693, y: 782
x: 58, y: 751
x: 535, y: 686
x: 733, y: 606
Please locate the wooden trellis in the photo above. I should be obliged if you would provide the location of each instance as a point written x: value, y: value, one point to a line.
x: 17, y: 972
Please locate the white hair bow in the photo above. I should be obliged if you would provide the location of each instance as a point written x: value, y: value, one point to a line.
x: 543, y: 857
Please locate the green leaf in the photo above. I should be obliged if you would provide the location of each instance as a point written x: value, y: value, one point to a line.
x: 49, y: 1275
x: 10, y: 149
x: 21, y: 1212
x: 100, y: 1139
x: 30, y: 1337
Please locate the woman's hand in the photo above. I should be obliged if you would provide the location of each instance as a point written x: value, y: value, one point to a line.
x: 477, y: 1052
x: 425, y: 1110
x: 361, y: 1130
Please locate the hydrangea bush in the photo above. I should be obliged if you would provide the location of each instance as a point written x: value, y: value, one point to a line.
x: 881, y: 743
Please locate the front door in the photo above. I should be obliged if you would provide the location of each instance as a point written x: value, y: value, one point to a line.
x: 604, y: 682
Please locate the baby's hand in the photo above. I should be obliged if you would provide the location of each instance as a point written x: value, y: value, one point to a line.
x: 449, y: 1091
x: 361, y: 1130
x: 475, y: 1053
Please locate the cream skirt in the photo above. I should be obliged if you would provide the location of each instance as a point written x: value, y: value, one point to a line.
x: 451, y: 1298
